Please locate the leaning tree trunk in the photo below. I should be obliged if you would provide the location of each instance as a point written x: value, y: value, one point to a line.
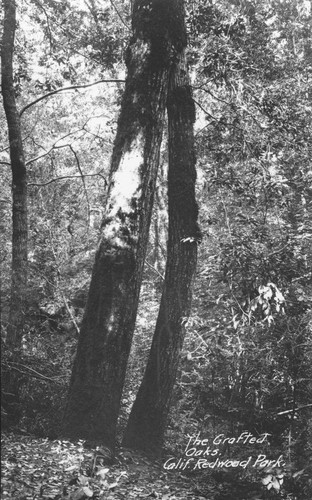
x: 107, y: 328
x: 19, y: 182
x: 148, y: 418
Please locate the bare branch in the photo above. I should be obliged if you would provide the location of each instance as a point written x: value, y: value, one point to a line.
x: 63, y: 89
x: 5, y: 149
x: 54, y: 145
x: 232, y: 105
x: 155, y: 270
x: 59, y: 287
x: 83, y: 181
x: 48, y: 24
x: 47, y: 153
x: 119, y: 15
x: 205, y: 111
x: 36, y: 374
x: 201, y: 87
x: 202, y: 129
x: 70, y: 314
x: 55, y: 179
x: 294, y: 410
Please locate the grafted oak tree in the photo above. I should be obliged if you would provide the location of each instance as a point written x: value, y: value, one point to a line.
x: 107, y: 328
x: 148, y: 418
x: 19, y: 182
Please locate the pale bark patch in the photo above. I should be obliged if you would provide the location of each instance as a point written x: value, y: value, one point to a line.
x: 126, y: 181
x: 139, y: 53
x: 125, y: 190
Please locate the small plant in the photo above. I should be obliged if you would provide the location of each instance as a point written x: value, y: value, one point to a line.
x: 274, y: 479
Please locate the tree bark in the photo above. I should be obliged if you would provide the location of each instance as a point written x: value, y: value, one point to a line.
x: 107, y: 328
x: 19, y: 182
x: 148, y: 418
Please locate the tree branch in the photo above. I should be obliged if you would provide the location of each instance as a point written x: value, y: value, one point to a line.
x: 36, y: 374
x: 295, y: 409
x: 48, y: 24
x: 70, y: 313
x: 47, y: 152
x: 55, y: 179
x: 54, y: 145
x: 205, y: 111
x: 119, y: 15
x: 155, y: 270
x: 232, y: 105
x: 59, y: 287
x: 63, y: 89
x: 83, y: 182
x: 201, y: 87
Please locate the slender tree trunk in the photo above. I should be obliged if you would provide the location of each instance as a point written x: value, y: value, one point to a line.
x: 19, y: 182
x: 149, y: 414
x: 160, y: 224
x: 107, y: 328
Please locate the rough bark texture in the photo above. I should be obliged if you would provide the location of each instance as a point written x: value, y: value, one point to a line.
x: 109, y: 320
x: 19, y: 182
x: 148, y: 418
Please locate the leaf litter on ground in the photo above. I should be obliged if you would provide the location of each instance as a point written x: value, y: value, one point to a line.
x: 39, y: 468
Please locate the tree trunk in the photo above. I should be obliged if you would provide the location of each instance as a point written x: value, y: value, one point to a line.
x: 19, y: 182
x: 107, y: 328
x: 148, y: 418
x: 10, y: 379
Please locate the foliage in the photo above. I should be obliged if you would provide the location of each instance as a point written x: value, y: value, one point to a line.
x: 68, y: 138
x: 247, y: 361
x: 59, y: 469
x: 43, y: 371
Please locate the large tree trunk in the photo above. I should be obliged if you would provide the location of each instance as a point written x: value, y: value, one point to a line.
x: 107, y: 328
x: 19, y: 182
x: 148, y: 418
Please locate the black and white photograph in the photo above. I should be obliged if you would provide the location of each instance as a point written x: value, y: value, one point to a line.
x: 156, y: 249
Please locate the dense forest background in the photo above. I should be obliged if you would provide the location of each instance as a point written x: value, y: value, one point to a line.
x: 247, y: 356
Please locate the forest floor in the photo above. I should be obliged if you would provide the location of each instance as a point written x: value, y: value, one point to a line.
x: 34, y: 468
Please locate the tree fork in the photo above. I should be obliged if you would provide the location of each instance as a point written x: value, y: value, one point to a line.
x: 108, y: 324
